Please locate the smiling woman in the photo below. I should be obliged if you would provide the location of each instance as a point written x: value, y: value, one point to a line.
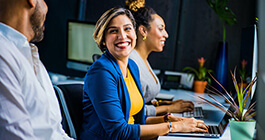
x: 152, y: 35
x: 113, y: 100
x: 120, y: 37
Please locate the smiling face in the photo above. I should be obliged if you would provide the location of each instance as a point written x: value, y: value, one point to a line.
x: 120, y: 37
x: 157, y: 34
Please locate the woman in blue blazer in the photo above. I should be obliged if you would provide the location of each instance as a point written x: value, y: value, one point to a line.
x: 108, y: 98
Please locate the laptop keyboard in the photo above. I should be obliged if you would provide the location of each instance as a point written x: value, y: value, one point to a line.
x: 213, y: 130
x: 196, y: 113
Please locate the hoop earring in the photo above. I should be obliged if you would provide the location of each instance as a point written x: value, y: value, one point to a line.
x: 144, y: 38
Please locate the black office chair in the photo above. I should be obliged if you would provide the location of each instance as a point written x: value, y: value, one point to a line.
x: 95, y: 57
x: 70, y: 96
x: 66, y: 119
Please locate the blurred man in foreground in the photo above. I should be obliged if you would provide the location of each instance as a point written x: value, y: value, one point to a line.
x: 28, y: 105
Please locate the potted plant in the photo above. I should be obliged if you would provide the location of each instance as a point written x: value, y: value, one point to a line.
x: 243, y: 73
x: 241, y: 125
x: 226, y: 16
x: 201, y: 76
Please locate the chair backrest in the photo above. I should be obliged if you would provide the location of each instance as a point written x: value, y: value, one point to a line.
x: 73, y: 96
x: 95, y: 57
x: 66, y: 119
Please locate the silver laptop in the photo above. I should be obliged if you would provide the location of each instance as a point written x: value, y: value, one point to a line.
x: 196, y: 113
x: 215, y: 131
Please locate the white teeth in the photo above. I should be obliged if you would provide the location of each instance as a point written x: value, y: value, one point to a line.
x: 162, y: 42
x: 123, y: 44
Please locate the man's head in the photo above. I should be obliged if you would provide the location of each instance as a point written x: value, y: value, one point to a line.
x: 37, y: 20
x: 26, y: 16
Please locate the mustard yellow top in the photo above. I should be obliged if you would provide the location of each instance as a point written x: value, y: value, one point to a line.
x: 135, y: 96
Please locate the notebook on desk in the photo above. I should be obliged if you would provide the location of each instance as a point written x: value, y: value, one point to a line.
x: 215, y: 131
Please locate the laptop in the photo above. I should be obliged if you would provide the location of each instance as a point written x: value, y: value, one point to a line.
x: 196, y: 113
x: 215, y: 131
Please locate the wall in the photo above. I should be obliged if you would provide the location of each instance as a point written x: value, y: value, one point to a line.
x: 260, y: 126
x: 194, y: 31
x: 53, y: 47
x: 200, y: 31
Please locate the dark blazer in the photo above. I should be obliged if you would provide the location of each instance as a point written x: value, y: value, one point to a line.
x: 107, y: 102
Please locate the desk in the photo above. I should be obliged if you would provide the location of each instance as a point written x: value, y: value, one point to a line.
x: 212, y: 115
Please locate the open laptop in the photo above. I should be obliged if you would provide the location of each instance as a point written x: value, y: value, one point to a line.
x: 215, y: 131
x: 196, y: 113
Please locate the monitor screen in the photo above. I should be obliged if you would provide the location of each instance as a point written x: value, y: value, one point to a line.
x: 80, y: 45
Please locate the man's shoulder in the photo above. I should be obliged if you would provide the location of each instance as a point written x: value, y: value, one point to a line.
x: 10, y: 56
x: 5, y: 45
x: 8, y: 49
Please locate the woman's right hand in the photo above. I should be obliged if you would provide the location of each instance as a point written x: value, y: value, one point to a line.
x: 189, y: 125
x: 179, y: 106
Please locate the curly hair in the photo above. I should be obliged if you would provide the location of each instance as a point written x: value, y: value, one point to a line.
x: 143, y: 16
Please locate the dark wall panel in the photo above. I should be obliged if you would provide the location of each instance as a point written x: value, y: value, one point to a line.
x: 200, y: 30
x: 169, y: 11
x: 53, y: 48
x: 194, y: 31
x: 95, y: 8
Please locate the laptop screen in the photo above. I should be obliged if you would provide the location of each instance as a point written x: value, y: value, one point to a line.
x: 224, y: 122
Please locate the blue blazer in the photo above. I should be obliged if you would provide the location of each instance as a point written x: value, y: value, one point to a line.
x: 107, y: 102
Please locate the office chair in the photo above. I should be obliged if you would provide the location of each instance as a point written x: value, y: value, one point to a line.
x: 95, y: 57
x: 70, y: 96
x: 66, y: 119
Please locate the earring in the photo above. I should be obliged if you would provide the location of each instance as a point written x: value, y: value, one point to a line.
x: 104, y: 43
x: 144, y: 38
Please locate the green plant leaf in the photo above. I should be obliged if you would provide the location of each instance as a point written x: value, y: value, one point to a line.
x: 250, y: 116
x: 249, y: 110
x: 221, y: 108
x: 249, y: 87
x: 190, y: 69
x: 200, y: 74
x: 238, y: 114
x: 224, y: 13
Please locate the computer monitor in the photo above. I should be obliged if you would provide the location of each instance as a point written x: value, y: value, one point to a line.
x: 80, y: 45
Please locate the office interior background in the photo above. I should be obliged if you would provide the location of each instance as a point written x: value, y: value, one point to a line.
x: 194, y: 31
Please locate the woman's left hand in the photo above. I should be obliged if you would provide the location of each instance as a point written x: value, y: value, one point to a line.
x: 175, y: 118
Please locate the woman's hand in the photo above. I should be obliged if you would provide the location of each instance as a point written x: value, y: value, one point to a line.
x: 161, y: 102
x: 179, y: 106
x: 189, y: 125
x: 175, y: 118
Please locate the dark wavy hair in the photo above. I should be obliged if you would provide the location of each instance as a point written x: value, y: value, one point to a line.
x: 143, y: 16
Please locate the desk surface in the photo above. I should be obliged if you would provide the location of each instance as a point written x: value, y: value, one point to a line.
x: 212, y: 115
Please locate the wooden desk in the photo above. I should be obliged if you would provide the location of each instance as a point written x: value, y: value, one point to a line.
x: 212, y: 115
